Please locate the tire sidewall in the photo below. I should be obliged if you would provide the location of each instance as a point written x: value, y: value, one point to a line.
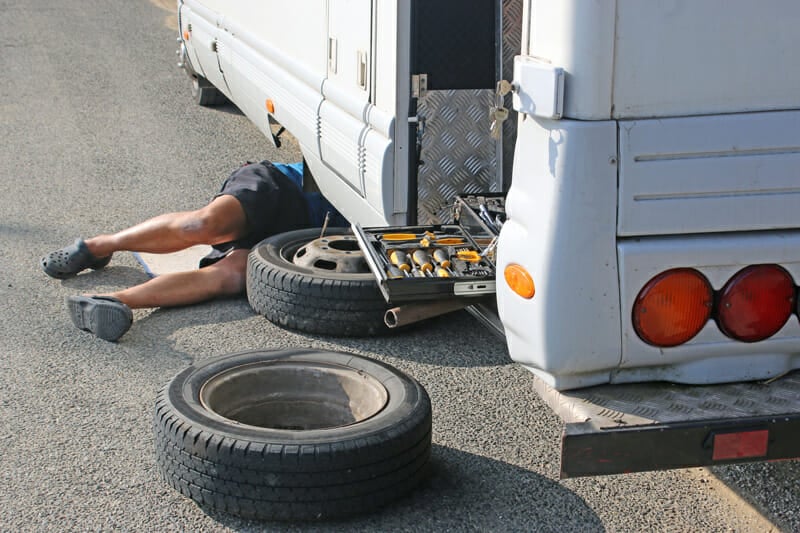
x: 405, y: 394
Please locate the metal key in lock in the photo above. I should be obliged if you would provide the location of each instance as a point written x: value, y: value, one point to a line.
x: 503, y: 88
x: 497, y: 112
x: 498, y: 115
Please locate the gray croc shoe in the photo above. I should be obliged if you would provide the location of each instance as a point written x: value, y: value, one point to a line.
x: 106, y: 317
x: 68, y: 261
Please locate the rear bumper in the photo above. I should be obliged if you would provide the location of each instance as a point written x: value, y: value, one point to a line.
x: 618, y: 429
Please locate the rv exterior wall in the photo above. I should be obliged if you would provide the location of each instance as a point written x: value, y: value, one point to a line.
x: 562, y: 228
x: 299, y: 29
x: 684, y: 156
x: 634, y: 59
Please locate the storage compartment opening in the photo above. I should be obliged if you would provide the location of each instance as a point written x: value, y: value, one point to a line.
x: 462, y: 48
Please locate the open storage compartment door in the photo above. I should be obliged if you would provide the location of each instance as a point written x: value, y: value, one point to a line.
x: 440, y: 261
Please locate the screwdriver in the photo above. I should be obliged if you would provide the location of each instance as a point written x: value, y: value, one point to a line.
x: 422, y: 258
x: 395, y: 273
x: 400, y: 261
x: 441, y: 258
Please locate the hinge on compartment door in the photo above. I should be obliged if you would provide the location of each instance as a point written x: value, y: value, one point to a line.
x: 419, y: 85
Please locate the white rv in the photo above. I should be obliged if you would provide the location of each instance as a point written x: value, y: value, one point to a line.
x: 648, y: 158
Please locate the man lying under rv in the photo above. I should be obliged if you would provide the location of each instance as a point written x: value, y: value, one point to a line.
x: 257, y: 200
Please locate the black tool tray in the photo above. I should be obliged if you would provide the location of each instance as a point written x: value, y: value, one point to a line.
x: 468, y: 244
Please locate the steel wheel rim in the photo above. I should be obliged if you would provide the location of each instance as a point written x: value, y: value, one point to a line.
x: 331, y: 253
x: 294, y: 395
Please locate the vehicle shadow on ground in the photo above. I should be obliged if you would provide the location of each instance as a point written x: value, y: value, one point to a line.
x: 465, y: 492
x: 472, y: 345
x: 228, y: 108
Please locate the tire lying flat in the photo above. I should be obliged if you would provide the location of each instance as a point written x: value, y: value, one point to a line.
x: 235, y: 434
x: 312, y: 300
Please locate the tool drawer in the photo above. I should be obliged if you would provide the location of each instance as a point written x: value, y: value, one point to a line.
x: 413, y: 263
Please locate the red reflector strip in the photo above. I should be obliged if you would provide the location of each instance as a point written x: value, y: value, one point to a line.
x: 740, y: 445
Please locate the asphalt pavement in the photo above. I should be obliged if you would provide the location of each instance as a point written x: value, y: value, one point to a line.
x: 98, y: 132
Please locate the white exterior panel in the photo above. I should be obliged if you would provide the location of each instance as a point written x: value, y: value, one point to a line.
x: 638, y: 59
x: 350, y: 46
x: 339, y: 138
x: 561, y: 228
x: 254, y: 77
x: 298, y: 29
x: 693, y: 57
x: 205, y: 30
x: 578, y: 36
x: 709, y: 174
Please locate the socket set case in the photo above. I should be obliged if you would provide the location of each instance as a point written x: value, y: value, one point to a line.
x: 415, y: 263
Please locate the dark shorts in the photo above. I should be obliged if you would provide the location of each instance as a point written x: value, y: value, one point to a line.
x: 272, y: 203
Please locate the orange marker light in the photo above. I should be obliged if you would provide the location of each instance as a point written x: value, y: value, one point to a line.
x: 270, y: 105
x: 186, y: 35
x: 520, y: 281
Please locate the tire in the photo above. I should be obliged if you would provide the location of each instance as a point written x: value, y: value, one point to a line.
x: 205, y: 94
x: 311, y: 299
x: 292, y: 434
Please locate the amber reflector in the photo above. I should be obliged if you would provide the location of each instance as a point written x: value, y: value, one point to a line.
x: 270, y: 105
x: 756, y: 302
x: 186, y: 35
x: 520, y: 281
x: 673, y: 307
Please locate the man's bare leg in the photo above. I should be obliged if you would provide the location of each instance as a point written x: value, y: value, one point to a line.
x: 109, y: 316
x: 226, y: 277
x: 222, y: 220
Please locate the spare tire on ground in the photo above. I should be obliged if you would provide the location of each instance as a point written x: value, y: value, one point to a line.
x: 292, y: 434
x: 315, y: 284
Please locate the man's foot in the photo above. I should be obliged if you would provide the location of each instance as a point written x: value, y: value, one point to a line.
x: 70, y: 260
x: 104, y: 316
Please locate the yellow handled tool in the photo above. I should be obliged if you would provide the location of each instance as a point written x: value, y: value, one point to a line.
x: 399, y: 259
x: 395, y: 273
x: 471, y: 256
x: 427, y: 242
x: 449, y: 241
x: 399, y: 237
x: 441, y: 258
x: 422, y: 259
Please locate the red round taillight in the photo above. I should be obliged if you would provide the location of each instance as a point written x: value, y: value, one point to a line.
x: 756, y: 302
x: 673, y: 307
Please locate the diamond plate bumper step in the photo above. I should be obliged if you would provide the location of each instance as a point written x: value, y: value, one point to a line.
x: 614, y: 429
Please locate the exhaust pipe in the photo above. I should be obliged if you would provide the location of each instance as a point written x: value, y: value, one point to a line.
x: 415, y: 312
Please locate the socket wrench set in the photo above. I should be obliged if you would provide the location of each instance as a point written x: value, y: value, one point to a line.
x: 414, y: 263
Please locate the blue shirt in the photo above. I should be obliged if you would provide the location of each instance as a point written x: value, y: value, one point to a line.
x: 318, y: 205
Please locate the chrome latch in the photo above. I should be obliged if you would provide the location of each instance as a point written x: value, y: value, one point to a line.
x: 419, y: 85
